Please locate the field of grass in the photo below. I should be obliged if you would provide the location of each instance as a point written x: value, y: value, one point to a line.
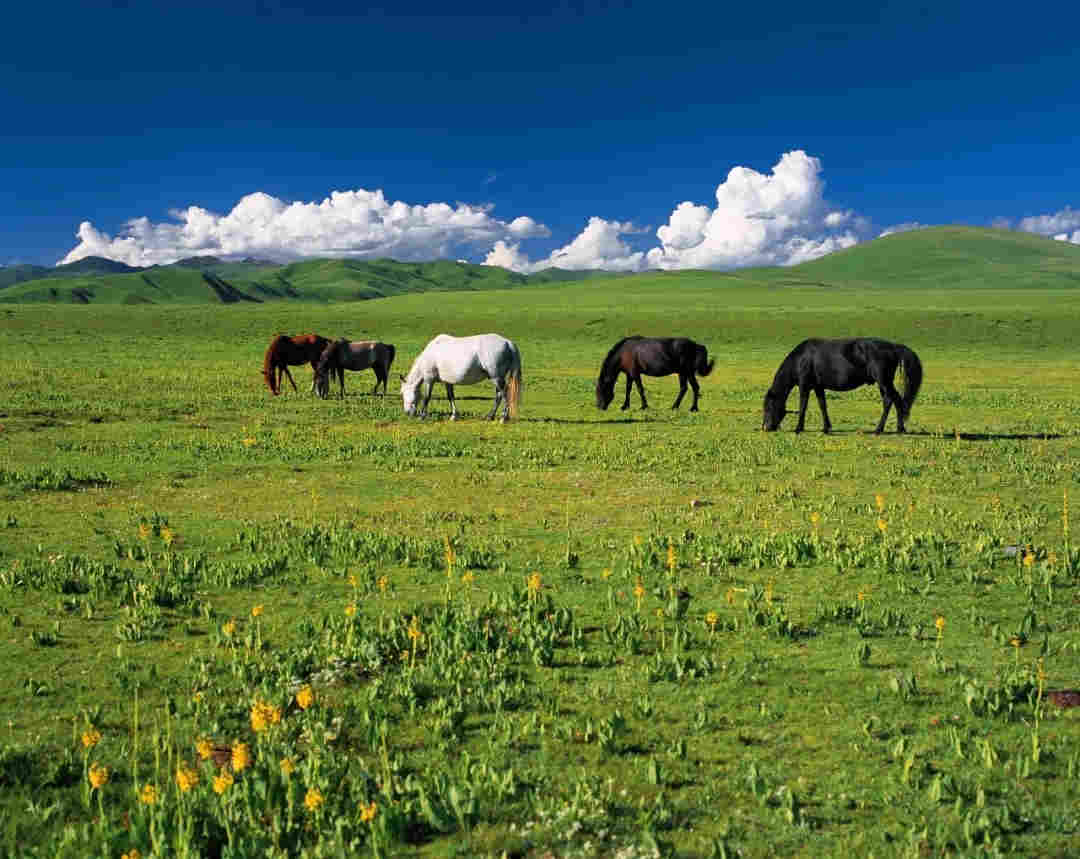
x: 582, y: 633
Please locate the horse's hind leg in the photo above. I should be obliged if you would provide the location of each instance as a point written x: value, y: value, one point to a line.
x: 682, y: 393
x: 453, y: 402
x: 626, y: 402
x: 500, y: 396
x: 826, y: 423
x: 697, y: 390
x: 890, y: 397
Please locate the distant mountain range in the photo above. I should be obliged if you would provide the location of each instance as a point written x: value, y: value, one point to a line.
x: 940, y: 256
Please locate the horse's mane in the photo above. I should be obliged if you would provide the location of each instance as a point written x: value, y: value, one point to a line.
x: 784, y: 380
x: 610, y: 357
x: 268, y: 362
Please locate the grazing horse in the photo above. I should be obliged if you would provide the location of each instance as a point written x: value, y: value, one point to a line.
x: 341, y: 355
x: 652, y: 356
x: 464, y: 361
x: 285, y: 350
x: 843, y: 365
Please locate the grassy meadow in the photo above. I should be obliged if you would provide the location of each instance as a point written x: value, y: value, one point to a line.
x: 241, y: 625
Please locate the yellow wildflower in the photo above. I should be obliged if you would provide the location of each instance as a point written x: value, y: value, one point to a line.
x: 606, y: 574
x: 1029, y: 559
x: 879, y: 500
x: 671, y: 556
x: 186, y: 778
x: 414, y: 629
x: 144, y: 531
x: 98, y: 775
x: 305, y: 697
x: 256, y: 610
x: 660, y: 613
x: 882, y: 525
x: 367, y: 812
x: 248, y: 442
x: 712, y: 618
x: 939, y: 624
x: 228, y: 629
x: 451, y: 555
x: 313, y: 799
x: 729, y: 596
x: 167, y: 535
x: 534, y: 584
x: 204, y: 748
x: 288, y: 766
x: 241, y: 757
x: 637, y: 540
x: 148, y: 795
x: 468, y: 578
x: 815, y: 520
x: 383, y: 583
x: 222, y: 782
x: 91, y: 737
x: 133, y: 853
x: 350, y: 610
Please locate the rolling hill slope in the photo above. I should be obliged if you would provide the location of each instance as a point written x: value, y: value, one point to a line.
x: 945, y: 257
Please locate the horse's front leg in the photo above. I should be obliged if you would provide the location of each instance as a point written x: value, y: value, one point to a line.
x: 641, y: 391
x: 285, y: 370
x: 804, y: 399
x: 826, y: 423
x: 697, y: 390
x: 626, y: 401
x: 453, y: 402
x: 427, y: 398
x: 682, y: 392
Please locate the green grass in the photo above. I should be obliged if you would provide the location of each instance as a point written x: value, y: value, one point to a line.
x: 151, y: 490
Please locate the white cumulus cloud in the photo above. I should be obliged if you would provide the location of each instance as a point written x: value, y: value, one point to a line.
x: 1063, y: 226
x: 905, y: 227
x: 356, y: 223
x: 779, y: 218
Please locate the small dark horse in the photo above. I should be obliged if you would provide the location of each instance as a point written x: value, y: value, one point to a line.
x: 341, y: 355
x: 843, y: 365
x: 285, y: 350
x: 652, y: 356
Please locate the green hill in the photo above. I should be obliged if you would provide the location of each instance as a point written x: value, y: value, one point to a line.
x: 945, y: 257
x: 948, y: 257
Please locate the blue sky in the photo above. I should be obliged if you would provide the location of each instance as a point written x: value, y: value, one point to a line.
x: 548, y: 133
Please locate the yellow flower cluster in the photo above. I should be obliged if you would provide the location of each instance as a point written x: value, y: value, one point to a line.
x: 305, y: 697
x: 148, y: 795
x: 288, y: 766
x: 383, y: 583
x: 313, y: 799
x: 204, y: 747
x: 350, y: 610
x: 229, y: 628
x: 98, y: 775
x: 467, y: 578
x: 256, y: 610
x: 222, y: 783
x: 414, y: 629
x: 367, y: 813
x: 264, y: 715
x: 712, y: 618
x: 534, y: 584
x: 186, y: 778
x: 91, y: 737
x: 241, y: 757
x: 133, y: 853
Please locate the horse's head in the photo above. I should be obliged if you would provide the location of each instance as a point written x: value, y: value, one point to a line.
x: 410, y: 393
x: 605, y: 393
x: 773, y: 411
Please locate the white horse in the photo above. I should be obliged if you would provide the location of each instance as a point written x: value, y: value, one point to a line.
x: 465, y: 361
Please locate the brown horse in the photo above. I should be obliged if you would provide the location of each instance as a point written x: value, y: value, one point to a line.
x: 652, y: 356
x: 341, y: 355
x: 285, y: 350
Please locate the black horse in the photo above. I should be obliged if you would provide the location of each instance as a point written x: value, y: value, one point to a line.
x: 843, y: 365
x: 652, y: 356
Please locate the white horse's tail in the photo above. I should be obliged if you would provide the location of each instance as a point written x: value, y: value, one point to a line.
x: 514, y: 384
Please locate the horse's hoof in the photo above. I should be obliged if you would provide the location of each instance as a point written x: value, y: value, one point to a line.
x: 693, y: 408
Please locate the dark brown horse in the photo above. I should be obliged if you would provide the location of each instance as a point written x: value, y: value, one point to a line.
x: 843, y: 365
x: 284, y: 351
x: 341, y: 355
x: 652, y: 356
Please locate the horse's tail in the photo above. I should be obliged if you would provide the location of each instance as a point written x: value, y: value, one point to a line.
x: 703, y: 365
x: 269, y: 363
x: 912, y: 369
x: 514, y: 384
